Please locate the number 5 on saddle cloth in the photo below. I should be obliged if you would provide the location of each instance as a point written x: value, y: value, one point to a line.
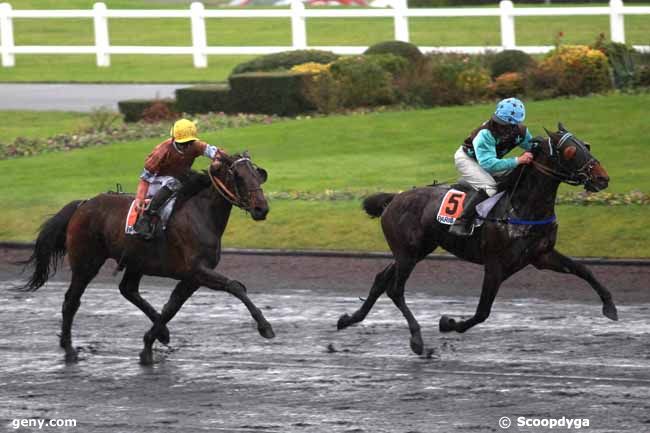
x: 451, y: 207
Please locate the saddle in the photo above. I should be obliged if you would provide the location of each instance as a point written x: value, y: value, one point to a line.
x: 451, y: 206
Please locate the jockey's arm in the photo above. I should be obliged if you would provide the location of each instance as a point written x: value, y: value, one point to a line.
x: 486, y: 154
x: 527, y: 143
x: 210, y: 151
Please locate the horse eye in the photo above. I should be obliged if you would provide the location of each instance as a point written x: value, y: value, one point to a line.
x: 569, y: 152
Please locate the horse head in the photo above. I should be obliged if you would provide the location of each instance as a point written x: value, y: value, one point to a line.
x: 569, y: 159
x: 240, y: 181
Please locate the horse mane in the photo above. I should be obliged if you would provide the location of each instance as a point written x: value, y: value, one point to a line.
x: 194, y: 183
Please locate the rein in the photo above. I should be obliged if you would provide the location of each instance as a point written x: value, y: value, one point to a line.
x: 232, y: 197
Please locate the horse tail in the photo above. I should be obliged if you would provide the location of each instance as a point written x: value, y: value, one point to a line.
x: 50, y: 247
x: 375, y: 204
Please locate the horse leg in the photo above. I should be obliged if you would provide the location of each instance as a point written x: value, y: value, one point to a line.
x: 71, y: 302
x: 396, y: 294
x: 213, y: 280
x: 492, y: 280
x: 379, y: 286
x: 181, y: 293
x: 129, y: 288
x: 558, y: 262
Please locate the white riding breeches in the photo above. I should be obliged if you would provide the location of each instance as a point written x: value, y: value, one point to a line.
x: 473, y: 174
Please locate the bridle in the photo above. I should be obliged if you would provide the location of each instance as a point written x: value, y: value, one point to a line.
x: 564, y: 174
x: 235, y: 198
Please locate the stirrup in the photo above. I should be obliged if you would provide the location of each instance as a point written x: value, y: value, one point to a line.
x: 144, y: 227
x: 464, y: 229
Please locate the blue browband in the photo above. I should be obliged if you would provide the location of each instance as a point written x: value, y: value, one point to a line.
x: 521, y: 222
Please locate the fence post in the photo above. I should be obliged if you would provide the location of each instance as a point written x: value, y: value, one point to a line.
x: 507, y: 25
x: 7, y: 36
x: 101, y: 35
x: 298, y: 25
x: 199, y: 39
x: 616, y: 21
x: 401, y: 21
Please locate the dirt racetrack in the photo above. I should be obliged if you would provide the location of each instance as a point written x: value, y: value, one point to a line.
x: 545, y: 352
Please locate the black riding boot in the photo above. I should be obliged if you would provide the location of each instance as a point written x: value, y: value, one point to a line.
x: 144, y: 226
x: 464, y: 226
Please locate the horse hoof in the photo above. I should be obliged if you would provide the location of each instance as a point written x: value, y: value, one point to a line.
x: 146, y: 358
x: 447, y: 324
x: 266, y: 331
x: 71, y: 356
x: 609, y: 310
x: 344, y: 322
x: 417, y: 346
x: 163, y: 336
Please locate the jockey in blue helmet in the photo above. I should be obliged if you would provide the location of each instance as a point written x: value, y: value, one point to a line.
x: 481, y: 156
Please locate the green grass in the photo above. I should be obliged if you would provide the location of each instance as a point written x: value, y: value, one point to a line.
x: 256, y: 32
x: 383, y: 151
x: 39, y: 124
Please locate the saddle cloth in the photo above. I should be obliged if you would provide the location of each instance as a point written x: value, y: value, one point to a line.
x: 451, y: 206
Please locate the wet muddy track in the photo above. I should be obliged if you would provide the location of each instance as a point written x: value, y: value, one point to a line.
x: 546, y: 352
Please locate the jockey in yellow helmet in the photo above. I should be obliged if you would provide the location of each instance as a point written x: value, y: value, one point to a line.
x: 164, y: 169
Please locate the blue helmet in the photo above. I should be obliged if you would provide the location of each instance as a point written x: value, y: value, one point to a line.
x: 510, y: 111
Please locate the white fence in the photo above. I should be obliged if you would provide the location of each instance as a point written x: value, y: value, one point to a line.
x: 298, y: 14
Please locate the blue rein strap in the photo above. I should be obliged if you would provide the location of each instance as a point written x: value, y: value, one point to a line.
x: 521, y: 222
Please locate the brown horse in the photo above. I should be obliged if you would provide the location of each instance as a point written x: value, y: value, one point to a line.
x: 522, y: 231
x: 92, y: 231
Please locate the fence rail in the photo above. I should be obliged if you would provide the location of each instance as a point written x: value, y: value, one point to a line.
x: 297, y: 13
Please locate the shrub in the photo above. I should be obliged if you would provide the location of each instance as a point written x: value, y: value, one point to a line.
x: 102, y: 119
x: 510, y: 61
x: 444, y: 72
x: 395, y: 65
x: 509, y: 84
x: 278, y: 93
x: 204, y: 99
x: 573, y: 70
x: 474, y: 83
x: 158, y: 112
x: 398, y: 48
x: 621, y: 61
x: 284, y: 61
x: 133, y: 109
x: 643, y: 76
x: 363, y: 82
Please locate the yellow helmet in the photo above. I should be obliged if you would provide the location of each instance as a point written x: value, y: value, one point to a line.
x: 183, y: 131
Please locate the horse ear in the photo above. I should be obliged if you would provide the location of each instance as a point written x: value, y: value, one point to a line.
x: 561, y: 127
x: 549, y: 133
x: 263, y: 174
x: 245, y: 154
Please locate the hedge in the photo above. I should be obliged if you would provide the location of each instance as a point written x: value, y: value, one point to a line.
x: 133, y: 109
x: 269, y: 93
x: 284, y: 61
x: 204, y: 99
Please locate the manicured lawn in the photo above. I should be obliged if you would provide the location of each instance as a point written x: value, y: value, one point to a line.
x: 39, y: 124
x: 383, y: 151
x: 258, y: 32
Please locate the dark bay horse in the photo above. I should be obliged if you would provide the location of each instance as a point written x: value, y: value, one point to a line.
x: 502, y: 246
x: 92, y: 231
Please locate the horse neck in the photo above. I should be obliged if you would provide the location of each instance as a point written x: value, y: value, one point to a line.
x: 534, y: 197
x: 213, y: 209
